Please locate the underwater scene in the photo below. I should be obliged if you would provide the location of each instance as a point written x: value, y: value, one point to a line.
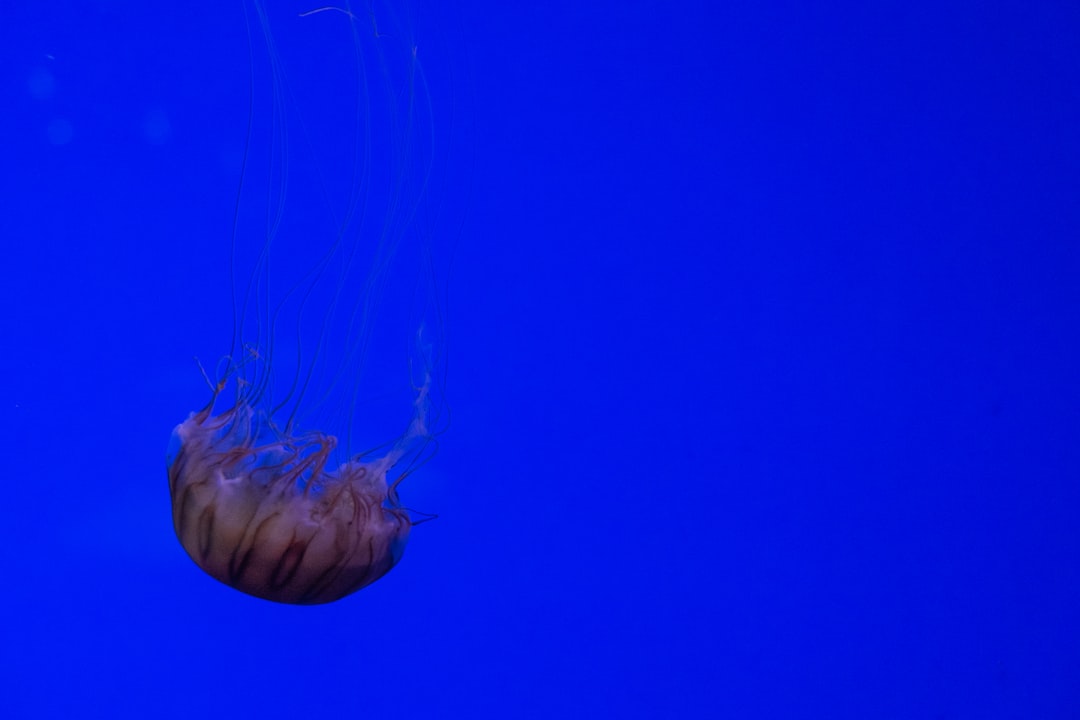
x: 393, y: 358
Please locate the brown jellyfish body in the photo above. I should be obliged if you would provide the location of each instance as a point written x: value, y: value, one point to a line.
x: 261, y: 511
x: 264, y: 499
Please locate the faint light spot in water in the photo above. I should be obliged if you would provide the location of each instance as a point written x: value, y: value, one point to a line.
x: 60, y: 131
x: 40, y: 84
x: 156, y: 127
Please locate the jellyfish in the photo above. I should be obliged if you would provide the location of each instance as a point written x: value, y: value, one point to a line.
x: 264, y: 499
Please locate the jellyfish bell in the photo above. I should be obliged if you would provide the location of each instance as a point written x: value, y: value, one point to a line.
x: 271, y: 493
x: 263, y: 511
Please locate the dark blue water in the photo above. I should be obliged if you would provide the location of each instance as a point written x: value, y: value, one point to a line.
x: 759, y: 344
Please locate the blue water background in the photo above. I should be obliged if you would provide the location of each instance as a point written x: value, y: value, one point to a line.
x: 763, y: 330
